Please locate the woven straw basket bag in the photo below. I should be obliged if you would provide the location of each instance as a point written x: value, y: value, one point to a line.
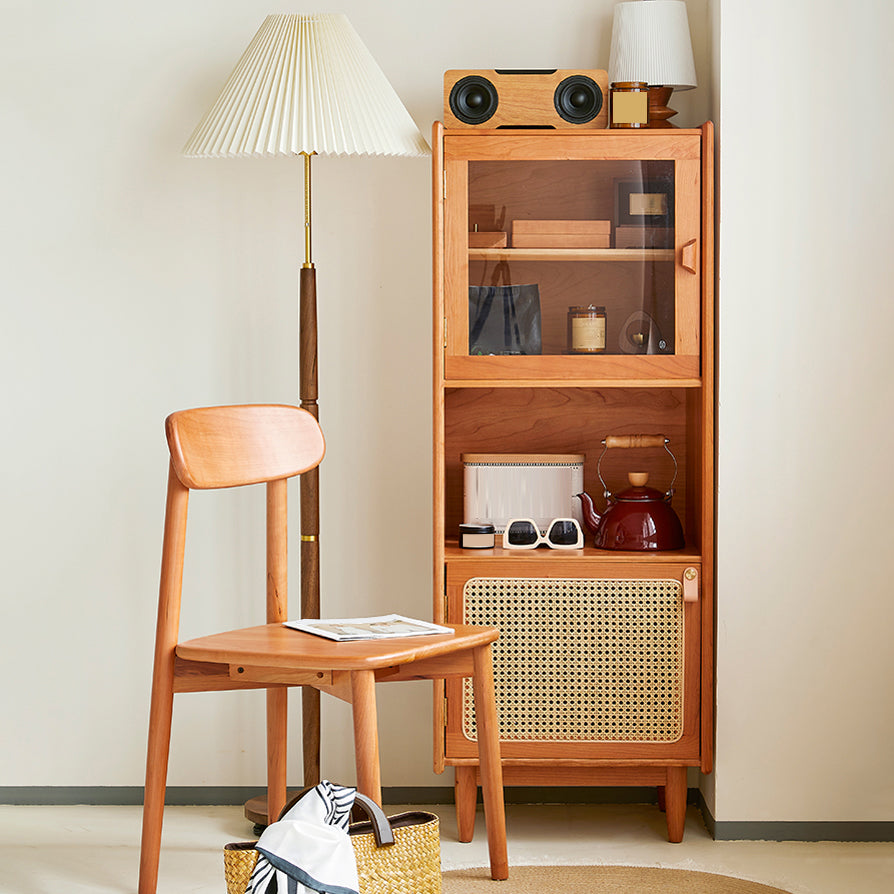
x: 409, y: 865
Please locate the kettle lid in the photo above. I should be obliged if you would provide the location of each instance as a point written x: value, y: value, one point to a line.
x: 638, y: 492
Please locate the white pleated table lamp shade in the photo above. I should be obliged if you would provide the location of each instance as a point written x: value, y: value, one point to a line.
x: 651, y: 43
x: 306, y: 84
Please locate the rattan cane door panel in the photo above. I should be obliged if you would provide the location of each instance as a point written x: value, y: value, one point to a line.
x: 585, y: 667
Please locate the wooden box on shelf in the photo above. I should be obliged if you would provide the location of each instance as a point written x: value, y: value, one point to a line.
x: 561, y: 233
x: 644, y: 237
x: 487, y: 239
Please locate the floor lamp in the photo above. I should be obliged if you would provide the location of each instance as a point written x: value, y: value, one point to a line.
x: 306, y: 85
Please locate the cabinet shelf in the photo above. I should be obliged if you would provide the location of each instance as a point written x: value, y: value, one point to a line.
x: 552, y: 557
x: 646, y: 370
x: 615, y: 255
x: 593, y: 383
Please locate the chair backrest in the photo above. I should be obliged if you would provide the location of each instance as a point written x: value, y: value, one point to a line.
x: 215, y: 447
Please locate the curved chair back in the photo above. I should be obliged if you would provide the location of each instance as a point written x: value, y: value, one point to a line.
x: 215, y: 447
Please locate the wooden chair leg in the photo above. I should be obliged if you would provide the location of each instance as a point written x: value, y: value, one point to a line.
x: 675, y: 792
x: 277, y: 743
x: 489, y: 758
x: 160, y: 714
x: 465, y: 796
x: 366, y: 735
x: 161, y: 704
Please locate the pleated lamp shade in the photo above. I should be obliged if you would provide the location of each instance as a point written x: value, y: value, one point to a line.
x: 306, y: 84
x: 651, y: 43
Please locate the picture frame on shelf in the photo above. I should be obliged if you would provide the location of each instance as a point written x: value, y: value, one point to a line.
x: 648, y: 203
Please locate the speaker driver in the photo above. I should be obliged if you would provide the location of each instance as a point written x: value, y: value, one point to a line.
x: 473, y: 99
x: 578, y: 99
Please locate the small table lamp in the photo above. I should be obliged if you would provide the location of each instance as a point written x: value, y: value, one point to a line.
x: 651, y: 43
x: 307, y: 85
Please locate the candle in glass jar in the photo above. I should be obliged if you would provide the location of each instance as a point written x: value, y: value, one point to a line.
x: 630, y: 104
x: 586, y: 330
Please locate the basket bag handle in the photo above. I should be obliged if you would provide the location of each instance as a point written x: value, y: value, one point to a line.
x: 381, y: 828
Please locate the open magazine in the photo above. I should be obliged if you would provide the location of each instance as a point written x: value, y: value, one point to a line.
x: 380, y: 627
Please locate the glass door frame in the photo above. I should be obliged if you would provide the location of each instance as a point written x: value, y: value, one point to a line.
x: 681, y: 147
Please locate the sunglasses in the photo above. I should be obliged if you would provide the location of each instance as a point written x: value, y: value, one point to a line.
x: 561, y: 533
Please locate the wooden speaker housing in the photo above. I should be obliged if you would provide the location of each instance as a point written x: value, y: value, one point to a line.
x: 559, y: 99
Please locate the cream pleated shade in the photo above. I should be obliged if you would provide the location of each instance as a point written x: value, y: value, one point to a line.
x: 651, y: 43
x: 306, y: 83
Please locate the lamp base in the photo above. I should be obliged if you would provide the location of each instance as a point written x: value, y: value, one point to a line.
x: 256, y: 810
x: 658, y: 110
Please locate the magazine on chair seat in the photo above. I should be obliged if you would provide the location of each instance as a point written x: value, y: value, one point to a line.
x: 379, y: 627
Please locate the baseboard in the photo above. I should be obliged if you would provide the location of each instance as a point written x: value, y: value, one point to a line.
x: 776, y: 830
x: 211, y: 796
x: 124, y: 795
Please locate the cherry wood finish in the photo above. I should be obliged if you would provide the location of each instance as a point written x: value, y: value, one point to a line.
x: 560, y: 403
x: 233, y: 446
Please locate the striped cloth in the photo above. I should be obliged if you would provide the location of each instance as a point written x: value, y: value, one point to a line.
x: 308, y: 850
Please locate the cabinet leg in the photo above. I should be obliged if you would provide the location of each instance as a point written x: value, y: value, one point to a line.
x: 662, y: 801
x: 465, y: 793
x: 675, y: 792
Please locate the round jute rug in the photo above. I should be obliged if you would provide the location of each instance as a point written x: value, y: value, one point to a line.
x: 599, y: 880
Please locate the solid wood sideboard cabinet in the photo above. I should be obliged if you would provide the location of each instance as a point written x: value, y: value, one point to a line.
x: 573, y: 301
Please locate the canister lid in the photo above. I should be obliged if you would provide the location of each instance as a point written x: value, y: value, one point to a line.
x: 522, y: 459
x: 476, y: 529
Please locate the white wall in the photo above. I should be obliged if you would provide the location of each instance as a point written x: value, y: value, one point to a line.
x: 136, y: 282
x: 805, y: 666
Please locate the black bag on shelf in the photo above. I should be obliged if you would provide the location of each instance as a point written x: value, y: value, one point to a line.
x: 504, y: 319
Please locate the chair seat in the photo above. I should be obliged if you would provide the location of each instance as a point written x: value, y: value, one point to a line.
x: 276, y: 646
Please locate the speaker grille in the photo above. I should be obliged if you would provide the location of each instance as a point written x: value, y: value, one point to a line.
x: 582, y: 660
x: 474, y: 99
x: 578, y: 99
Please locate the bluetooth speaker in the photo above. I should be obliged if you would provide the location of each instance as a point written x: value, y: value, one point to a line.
x: 551, y: 99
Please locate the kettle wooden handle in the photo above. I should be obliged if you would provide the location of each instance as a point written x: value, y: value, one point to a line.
x: 634, y: 441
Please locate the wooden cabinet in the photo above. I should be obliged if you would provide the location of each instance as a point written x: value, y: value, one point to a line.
x: 604, y: 668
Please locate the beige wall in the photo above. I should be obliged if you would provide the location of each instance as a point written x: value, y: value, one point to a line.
x: 136, y: 282
x: 806, y: 419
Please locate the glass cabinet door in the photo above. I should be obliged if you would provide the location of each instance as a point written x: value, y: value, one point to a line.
x: 578, y: 260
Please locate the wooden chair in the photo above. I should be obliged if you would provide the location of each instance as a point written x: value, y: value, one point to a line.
x: 221, y: 447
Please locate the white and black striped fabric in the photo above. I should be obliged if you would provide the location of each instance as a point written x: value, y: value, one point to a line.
x: 308, y: 850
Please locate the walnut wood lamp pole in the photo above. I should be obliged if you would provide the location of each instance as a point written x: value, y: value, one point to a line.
x: 309, y: 485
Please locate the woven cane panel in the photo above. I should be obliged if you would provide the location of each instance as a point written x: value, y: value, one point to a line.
x: 582, y: 660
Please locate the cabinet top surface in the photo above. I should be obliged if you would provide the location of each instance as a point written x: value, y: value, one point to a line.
x: 561, y: 145
x: 657, y: 142
x: 634, y: 133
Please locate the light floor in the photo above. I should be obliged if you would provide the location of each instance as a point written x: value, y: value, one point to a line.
x: 74, y: 850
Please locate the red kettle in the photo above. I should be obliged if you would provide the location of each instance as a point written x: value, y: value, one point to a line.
x: 640, y: 517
